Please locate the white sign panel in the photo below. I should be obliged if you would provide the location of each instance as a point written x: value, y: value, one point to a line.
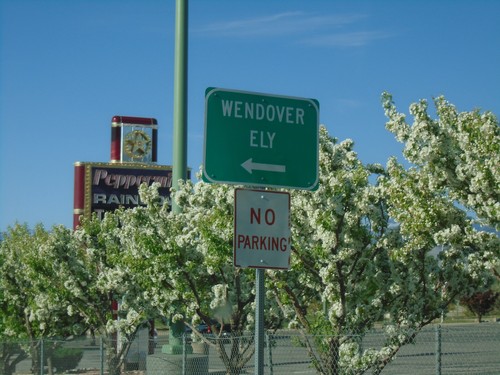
x: 261, y: 229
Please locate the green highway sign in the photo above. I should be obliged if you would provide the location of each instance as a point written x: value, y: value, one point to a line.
x: 260, y: 139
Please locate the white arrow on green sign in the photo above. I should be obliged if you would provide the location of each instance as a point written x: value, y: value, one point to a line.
x: 260, y: 139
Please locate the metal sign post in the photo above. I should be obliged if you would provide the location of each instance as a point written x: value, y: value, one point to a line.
x: 259, y: 321
x: 261, y: 241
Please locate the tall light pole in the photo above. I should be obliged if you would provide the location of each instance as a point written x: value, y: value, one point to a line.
x: 179, y: 171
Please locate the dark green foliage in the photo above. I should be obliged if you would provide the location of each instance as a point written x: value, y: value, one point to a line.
x: 64, y: 359
x: 481, y: 303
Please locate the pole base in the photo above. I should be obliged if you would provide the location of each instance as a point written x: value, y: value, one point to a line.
x: 176, y: 349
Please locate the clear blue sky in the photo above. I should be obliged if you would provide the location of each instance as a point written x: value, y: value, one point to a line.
x: 67, y: 67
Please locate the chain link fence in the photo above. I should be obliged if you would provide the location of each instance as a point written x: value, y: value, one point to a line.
x: 436, y: 350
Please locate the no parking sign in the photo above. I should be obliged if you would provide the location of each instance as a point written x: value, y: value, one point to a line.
x: 262, y: 229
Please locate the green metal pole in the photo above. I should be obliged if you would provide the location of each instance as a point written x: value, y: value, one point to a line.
x: 179, y: 168
x: 179, y: 171
x: 42, y: 358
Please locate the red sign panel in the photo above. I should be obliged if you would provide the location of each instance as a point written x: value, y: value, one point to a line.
x: 103, y: 187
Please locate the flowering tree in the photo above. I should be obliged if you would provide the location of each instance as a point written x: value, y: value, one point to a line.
x: 184, y: 261
x: 95, y: 285
x: 364, y: 252
x: 459, y: 152
x: 24, y: 290
x: 14, y: 294
x: 10, y: 352
x: 341, y: 237
x: 439, y: 202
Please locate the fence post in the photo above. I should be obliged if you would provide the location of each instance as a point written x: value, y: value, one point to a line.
x: 270, y: 354
x: 41, y: 356
x: 184, y: 354
x: 101, y: 355
x: 438, y: 349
